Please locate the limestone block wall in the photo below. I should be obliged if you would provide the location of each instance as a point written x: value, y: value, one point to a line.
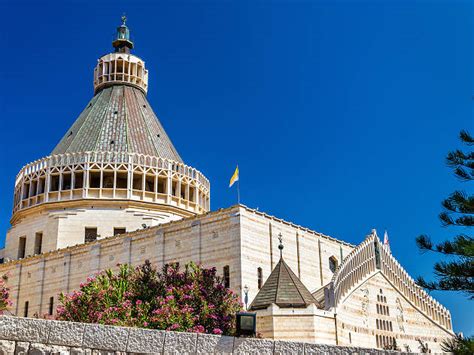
x: 41, y: 222
x: 211, y: 239
x: 237, y: 237
x: 375, y: 313
x: 61, y: 227
x: 305, y: 251
x: 36, y: 336
x: 297, y: 324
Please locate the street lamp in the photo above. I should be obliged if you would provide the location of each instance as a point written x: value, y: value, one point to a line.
x: 246, y: 296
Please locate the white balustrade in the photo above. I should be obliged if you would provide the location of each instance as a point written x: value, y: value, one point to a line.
x: 74, y: 176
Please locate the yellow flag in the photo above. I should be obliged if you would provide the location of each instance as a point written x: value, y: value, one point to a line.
x: 234, y: 177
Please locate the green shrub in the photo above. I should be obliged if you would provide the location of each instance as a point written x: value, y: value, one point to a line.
x: 192, y: 300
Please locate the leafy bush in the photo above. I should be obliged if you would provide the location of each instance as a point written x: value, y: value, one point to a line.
x: 5, y: 302
x: 193, y: 300
x: 459, y: 345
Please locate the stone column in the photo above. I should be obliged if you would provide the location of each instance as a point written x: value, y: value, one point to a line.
x: 127, y: 250
x: 66, y: 271
x: 94, y: 260
x: 18, y: 268
x: 41, y: 271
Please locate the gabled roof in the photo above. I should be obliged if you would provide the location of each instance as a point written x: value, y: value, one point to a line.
x: 284, y: 289
x: 119, y: 119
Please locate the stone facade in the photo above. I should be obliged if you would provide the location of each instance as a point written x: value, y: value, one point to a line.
x: 241, y: 238
x: 375, y: 313
x: 245, y: 241
x: 71, y: 223
x: 297, y: 324
x: 20, y: 336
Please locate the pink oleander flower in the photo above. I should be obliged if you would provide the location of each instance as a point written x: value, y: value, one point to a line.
x: 194, y: 300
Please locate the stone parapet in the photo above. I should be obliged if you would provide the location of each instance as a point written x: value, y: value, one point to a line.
x: 38, y: 336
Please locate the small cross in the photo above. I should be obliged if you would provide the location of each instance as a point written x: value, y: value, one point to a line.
x: 280, y: 238
x: 124, y: 19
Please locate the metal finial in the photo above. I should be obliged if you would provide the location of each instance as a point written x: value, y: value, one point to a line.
x: 280, y: 246
x: 124, y: 19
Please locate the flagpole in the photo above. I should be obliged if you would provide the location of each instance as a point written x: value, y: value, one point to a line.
x: 238, y: 191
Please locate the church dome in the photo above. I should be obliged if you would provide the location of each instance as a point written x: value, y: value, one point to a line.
x: 116, y: 153
x: 118, y: 119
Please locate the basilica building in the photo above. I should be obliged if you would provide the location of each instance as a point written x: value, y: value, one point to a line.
x: 115, y: 190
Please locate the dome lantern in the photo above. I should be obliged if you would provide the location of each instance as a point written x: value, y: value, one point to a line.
x: 121, y: 67
x: 122, y: 42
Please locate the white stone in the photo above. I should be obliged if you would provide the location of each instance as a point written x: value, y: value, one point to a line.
x: 214, y: 344
x: 180, y: 343
x: 7, y: 347
x: 7, y: 327
x: 66, y: 333
x: 315, y: 349
x: 32, y: 330
x: 253, y: 346
x: 42, y: 349
x: 145, y: 341
x: 288, y: 347
x: 105, y: 337
x: 22, y: 348
x: 103, y: 352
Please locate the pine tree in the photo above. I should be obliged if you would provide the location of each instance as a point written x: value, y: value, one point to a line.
x: 456, y: 274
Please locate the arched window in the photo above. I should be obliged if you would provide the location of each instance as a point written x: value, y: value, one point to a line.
x: 332, y: 263
x: 226, y: 276
x: 260, y: 277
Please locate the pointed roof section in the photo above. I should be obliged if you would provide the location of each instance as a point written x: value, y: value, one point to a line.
x: 284, y: 289
x: 118, y: 119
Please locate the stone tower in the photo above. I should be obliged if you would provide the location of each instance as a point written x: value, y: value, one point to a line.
x: 114, y: 170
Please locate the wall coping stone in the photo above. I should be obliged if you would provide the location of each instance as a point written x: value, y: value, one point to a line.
x: 66, y: 333
x: 84, y: 338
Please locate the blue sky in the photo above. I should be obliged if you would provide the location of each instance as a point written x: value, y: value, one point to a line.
x: 339, y: 114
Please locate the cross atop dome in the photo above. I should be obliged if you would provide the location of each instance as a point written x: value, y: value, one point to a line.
x: 280, y: 246
x: 122, y: 42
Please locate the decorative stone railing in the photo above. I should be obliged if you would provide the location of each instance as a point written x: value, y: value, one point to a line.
x: 120, y: 68
x: 370, y: 257
x: 354, y: 268
x: 111, y: 175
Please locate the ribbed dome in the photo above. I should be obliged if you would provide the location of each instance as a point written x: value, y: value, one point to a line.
x: 120, y: 119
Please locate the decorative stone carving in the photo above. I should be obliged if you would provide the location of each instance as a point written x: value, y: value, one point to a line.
x: 399, y: 315
x: 365, y: 306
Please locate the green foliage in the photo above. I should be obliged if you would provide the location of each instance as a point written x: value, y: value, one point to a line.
x: 423, y: 347
x: 459, y: 345
x: 457, y: 274
x: 193, y: 300
x: 392, y: 346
